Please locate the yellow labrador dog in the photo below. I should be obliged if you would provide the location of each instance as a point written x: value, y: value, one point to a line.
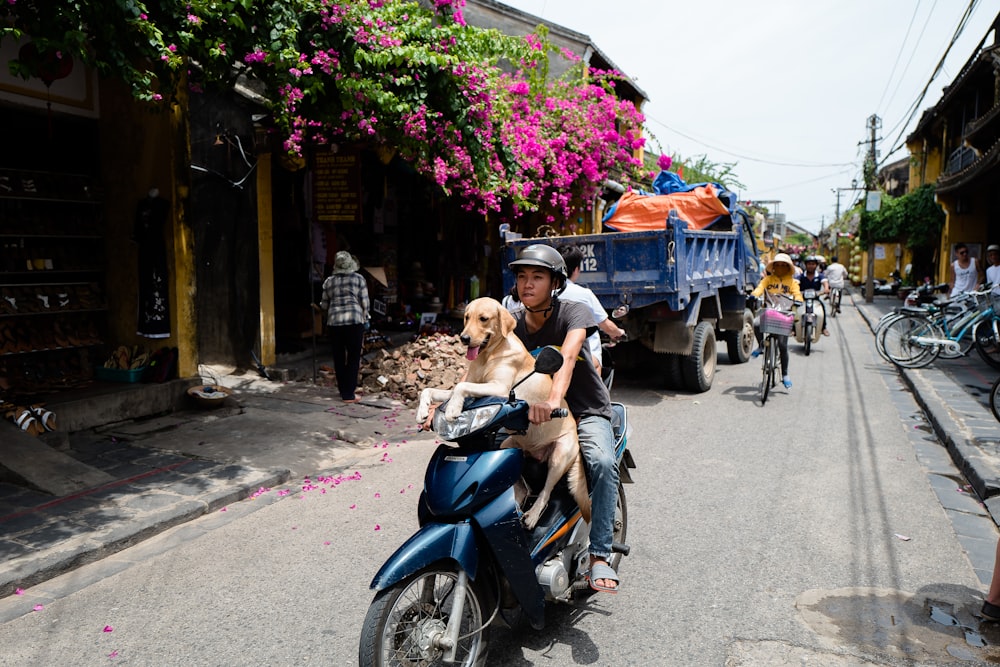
x: 498, y: 360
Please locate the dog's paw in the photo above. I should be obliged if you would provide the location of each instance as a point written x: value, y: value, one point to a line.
x: 531, y: 517
x: 453, y: 410
x: 423, y: 411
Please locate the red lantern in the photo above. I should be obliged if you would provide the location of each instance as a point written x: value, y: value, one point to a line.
x: 49, y: 66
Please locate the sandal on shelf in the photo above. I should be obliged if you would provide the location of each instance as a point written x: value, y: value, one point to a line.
x: 602, y: 571
x: 27, y: 422
x: 44, y: 417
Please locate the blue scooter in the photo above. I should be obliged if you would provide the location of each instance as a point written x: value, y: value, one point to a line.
x: 472, y: 562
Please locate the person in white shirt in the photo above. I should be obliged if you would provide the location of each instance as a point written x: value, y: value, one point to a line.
x: 836, y: 277
x: 993, y: 270
x: 573, y: 257
x: 965, y: 273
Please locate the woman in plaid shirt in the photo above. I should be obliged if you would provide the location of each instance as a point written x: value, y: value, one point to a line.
x: 345, y: 300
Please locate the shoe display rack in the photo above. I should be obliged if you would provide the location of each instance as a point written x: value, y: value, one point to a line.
x: 52, y: 265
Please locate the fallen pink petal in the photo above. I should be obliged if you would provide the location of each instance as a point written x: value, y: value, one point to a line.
x: 19, y: 591
x: 377, y: 528
x: 378, y: 495
x: 353, y: 507
x: 327, y: 543
x: 113, y: 654
x: 108, y: 628
x: 224, y: 509
x: 38, y: 607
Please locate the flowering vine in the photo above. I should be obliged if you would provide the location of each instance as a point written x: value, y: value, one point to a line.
x: 379, y: 72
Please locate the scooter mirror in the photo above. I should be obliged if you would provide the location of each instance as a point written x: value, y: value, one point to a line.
x: 620, y: 312
x: 548, y: 361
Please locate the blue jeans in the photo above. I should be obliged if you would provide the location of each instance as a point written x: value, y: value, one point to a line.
x: 597, y: 442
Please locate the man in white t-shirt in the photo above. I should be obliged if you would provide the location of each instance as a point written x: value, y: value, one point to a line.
x: 993, y: 270
x: 573, y: 257
x: 836, y: 278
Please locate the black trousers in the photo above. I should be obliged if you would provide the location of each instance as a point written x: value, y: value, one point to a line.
x: 347, y: 344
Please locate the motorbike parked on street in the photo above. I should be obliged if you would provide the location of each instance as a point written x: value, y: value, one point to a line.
x: 809, y: 321
x: 472, y: 563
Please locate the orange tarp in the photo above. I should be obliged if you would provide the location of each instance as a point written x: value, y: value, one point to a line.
x: 639, y: 213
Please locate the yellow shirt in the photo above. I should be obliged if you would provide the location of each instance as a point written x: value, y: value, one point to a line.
x: 773, y: 284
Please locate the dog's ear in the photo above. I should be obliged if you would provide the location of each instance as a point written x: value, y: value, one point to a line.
x: 507, y: 321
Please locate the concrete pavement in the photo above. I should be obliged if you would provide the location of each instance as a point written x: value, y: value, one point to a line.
x: 122, y: 483
x: 954, y: 395
x: 149, y: 475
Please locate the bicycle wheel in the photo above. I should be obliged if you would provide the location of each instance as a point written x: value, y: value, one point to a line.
x: 835, y: 302
x: 987, y: 337
x: 995, y: 399
x: 902, y: 348
x: 766, y: 363
x: 886, y: 320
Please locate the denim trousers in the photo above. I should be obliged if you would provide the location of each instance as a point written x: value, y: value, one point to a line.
x: 597, y: 443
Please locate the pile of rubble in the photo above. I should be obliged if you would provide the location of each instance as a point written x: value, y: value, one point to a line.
x: 430, y: 361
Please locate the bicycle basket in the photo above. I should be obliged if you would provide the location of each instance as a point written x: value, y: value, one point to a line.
x: 775, y: 322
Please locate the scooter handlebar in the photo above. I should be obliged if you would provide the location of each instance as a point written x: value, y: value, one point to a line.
x: 559, y: 413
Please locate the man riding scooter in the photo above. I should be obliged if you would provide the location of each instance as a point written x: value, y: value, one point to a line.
x: 814, y: 279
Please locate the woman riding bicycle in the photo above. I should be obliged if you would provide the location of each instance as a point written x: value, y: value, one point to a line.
x: 778, y: 280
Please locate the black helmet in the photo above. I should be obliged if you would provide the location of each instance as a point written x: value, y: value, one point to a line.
x: 539, y: 254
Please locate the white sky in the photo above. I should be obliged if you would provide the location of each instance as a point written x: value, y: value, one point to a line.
x: 782, y: 81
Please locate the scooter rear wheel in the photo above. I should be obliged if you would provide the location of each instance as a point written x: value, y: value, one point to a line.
x: 403, y: 621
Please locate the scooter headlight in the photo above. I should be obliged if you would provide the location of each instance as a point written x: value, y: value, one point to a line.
x: 809, y: 294
x: 469, y: 421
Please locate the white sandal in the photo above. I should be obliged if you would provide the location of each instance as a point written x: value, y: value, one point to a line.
x: 46, y: 418
x: 26, y: 421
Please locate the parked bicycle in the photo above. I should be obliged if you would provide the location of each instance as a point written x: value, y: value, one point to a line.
x: 776, y: 320
x: 916, y: 339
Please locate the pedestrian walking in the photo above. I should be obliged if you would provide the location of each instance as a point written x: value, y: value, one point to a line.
x: 345, y: 301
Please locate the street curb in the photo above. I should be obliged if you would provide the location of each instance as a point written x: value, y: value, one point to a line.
x: 950, y: 428
x: 38, y: 567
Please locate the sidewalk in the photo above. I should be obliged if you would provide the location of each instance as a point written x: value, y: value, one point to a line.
x: 129, y: 481
x: 954, y: 395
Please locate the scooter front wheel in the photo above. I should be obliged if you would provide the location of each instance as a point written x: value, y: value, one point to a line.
x: 406, y: 623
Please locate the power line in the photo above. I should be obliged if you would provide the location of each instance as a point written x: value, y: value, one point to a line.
x: 899, y: 53
x: 909, y: 61
x: 916, y: 105
x: 747, y: 157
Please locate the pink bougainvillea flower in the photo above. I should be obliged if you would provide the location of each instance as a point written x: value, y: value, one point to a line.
x: 377, y: 527
x: 353, y: 507
x: 108, y: 628
x: 19, y: 591
x: 378, y: 495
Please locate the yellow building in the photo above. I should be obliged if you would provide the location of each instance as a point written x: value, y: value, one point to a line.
x: 956, y: 146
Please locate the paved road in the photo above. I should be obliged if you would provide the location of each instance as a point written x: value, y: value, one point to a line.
x: 827, y: 526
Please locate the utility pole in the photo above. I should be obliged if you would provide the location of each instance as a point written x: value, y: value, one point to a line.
x: 874, y: 125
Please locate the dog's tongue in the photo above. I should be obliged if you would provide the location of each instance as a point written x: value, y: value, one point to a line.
x: 472, y: 353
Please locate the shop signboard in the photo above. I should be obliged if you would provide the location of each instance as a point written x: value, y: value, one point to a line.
x: 337, y: 187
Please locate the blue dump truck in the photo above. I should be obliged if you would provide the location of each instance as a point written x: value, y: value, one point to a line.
x: 677, y: 283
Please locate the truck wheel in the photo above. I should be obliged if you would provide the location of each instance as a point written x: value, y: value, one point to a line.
x: 739, y: 344
x: 698, y: 368
x: 670, y: 367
